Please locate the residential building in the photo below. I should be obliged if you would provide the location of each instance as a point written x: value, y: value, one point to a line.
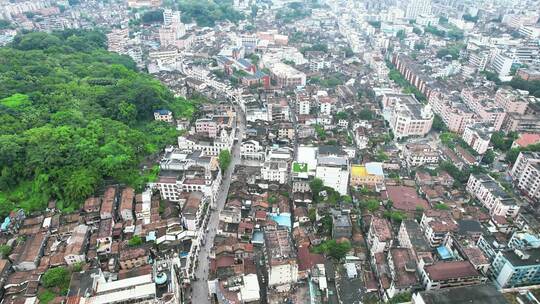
x: 287, y: 76
x: 478, y: 137
x: 513, y: 100
x: 334, y: 172
x: 379, y: 236
x: 126, y: 204
x: 478, y: 294
x: 437, y: 226
x: 133, y: 257
x: 275, y: 171
x: 281, y: 260
x: 517, y: 267
x: 194, y: 209
x: 402, y: 265
x: 163, y: 115
x: 415, y: 8
x: 492, y: 195
x: 369, y: 174
x: 341, y: 227
x: 453, y: 112
x: 32, y: 251
x: 410, y: 236
x: 502, y: 64
x: 76, y: 245
x: 420, y: 154
x: 526, y: 174
x: 449, y: 274
x: 408, y: 117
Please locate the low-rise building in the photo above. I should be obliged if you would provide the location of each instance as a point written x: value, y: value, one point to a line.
x: 334, y: 172
x: 420, y: 154
x: 450, y: 274
x: 163, y: 115
x: 76, y: 245
x: 379, y: 236
x: 492, y: 195
x: 281, y: 260
x: 369, y: 174
x: 341, y: 227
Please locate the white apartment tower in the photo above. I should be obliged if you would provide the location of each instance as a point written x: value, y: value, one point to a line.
x: 526, y: 174
x: 414, y: 8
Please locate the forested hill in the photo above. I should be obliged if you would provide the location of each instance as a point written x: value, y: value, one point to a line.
x: 73, y: 115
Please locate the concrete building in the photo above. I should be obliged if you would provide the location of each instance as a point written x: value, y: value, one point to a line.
x: 76, y: 245
x: 526, y: 174
x: 502, y: 64
x: 407, y: 116
x: 492, y: 195
x: 478, y: 137
x: 449, y: 274
x: 163, y: 115
x: 287, y: 76
x: 281, y: 260
x: 518, y: 267
x: 420, y: 154
x: 514, y: 101
x: 342, y: 227
x: 477, y: 294
x: 369, y: 174
x: 379, y: 236
x: 334, y: 172
x: 415, y: 8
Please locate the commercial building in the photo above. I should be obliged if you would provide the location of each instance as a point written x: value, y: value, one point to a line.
x: 287, y: 76
x: 526, y: 174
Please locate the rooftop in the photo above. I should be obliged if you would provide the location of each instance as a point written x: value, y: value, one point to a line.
x: 442, y: 271
x: 477, y: 294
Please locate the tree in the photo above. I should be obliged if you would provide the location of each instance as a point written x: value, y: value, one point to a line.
x: 438, y: 124
x: 316, y: 186
x: 489, y: 157
x: 365, y: 114
x: 401, y: 34
x: 135, y: 241
x: 312, y: 214
x: 224, y: 159
x: 417, y: 31
x: 334, y: 249
x: 5, y: 251
x: 371, y: 205
x: 56, y: 277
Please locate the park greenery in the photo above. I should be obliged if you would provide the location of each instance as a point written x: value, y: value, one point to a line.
x: 292, y: 12
x: 206, y: 12
x: 73, y: 116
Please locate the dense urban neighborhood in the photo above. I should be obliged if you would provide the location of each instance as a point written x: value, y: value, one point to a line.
x: 270, y: 151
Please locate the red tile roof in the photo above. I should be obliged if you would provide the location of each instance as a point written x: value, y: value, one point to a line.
x: 405, y: 198
x: 527, y: 139
x: 442, y: 271
x: 306, y: 259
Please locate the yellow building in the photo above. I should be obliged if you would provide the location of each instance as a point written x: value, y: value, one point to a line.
x: 369, y: 174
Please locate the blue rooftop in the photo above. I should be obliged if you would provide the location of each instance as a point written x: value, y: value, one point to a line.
x: 282, y: 219
x: 444, y: 253
x: 5, y: 224
x: 374, y: 168
x: 162, y: 112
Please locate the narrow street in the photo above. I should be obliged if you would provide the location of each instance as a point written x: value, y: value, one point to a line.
x: 199, y: 294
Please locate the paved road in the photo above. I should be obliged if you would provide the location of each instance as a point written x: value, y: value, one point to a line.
x: 199, y: 294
